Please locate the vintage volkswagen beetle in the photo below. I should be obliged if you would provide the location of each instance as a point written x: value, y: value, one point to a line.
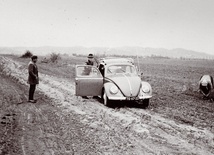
x: 113, y: 79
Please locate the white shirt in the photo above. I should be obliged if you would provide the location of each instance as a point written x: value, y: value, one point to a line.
x: 205, y: 79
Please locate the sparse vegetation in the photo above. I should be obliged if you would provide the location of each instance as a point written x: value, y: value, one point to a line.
x: 44, y: 60
x: 159, y: 57
x: 27, y: 54
x: 54, y: 58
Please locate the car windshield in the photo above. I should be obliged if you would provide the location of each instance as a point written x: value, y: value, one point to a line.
x: 118, y: 69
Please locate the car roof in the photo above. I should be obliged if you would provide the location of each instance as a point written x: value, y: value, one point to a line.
x: 116, y: 60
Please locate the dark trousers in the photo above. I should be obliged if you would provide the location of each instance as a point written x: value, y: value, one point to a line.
x: 31, y: 91
x: 206, y: 89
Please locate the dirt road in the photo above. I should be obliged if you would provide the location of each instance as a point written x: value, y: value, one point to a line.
x: 61, y: 123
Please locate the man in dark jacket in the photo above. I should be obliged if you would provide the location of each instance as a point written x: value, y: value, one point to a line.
x: 33, y: 78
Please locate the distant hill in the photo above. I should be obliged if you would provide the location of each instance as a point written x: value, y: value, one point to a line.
x: 141, y: 51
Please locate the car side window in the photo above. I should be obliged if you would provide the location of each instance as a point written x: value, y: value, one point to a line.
x: 87, y: 71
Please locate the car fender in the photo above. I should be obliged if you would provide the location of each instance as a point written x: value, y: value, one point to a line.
x: 148, y: 94
x: 107, y: 87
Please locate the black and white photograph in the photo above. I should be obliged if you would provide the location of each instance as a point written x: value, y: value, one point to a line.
x: 106, y: 77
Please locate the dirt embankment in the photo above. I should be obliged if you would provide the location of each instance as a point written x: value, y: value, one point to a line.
x: 61, y: 123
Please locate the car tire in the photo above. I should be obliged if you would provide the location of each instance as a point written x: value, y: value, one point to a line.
x: 145, y: 103
x: 106, y: 101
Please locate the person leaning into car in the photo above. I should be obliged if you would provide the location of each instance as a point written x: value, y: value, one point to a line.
x: 90, y: 60
x: 87, y: 70
x: 33, y: 78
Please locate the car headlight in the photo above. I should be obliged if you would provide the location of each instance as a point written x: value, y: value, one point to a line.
x: 114, y: 89
x: 145, y: 89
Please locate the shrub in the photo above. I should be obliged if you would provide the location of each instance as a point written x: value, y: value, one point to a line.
x: 45, y: 60
x: 27, y: 54
x: 55, y: 57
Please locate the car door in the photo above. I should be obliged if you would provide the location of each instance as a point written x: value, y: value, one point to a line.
x: 88, y: 81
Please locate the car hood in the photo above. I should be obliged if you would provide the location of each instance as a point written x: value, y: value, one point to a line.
x: 128, y: 84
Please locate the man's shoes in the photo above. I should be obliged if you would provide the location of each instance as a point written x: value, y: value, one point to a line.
x: 32, y: 101
x: 85, y: 97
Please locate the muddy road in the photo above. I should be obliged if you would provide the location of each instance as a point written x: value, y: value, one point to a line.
x: 61, y: 123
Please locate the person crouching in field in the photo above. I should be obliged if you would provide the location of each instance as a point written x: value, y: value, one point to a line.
x: 206, y: 85
x: 33, y: 78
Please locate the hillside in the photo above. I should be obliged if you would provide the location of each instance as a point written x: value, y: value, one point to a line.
x: 141, y: 51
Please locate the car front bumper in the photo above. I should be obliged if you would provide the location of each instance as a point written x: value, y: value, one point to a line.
x: 129, y: 98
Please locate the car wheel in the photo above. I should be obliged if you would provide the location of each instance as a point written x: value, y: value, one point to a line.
x: 145, y: 103
x: 106, y: 101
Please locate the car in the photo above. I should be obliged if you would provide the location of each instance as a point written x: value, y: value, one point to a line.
x: 113, y: 79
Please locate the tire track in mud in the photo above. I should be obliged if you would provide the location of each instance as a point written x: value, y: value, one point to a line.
x: 114, y: 136
x: 32, y: 132
x: 177, y: 135
x: 10, y: 97
x: 128, y: 130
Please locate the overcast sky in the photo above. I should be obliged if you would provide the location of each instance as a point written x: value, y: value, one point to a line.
x: 167, y: 24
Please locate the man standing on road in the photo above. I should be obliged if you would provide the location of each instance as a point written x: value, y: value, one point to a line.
x: 33, y: 78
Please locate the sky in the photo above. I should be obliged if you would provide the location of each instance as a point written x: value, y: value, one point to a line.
x: 187, y: 24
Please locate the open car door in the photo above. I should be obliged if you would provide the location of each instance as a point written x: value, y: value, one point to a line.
x: 88, y: 81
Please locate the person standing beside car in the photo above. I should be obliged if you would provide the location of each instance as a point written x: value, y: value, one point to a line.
x: 33, y: 78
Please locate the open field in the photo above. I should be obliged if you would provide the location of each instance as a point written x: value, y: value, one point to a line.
x: 175, y: 88
x: 178, y: 120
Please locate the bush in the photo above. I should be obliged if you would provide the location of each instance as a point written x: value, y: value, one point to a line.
x: 45, y: 60
x: 27, y: 54
x: 55, y: 57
